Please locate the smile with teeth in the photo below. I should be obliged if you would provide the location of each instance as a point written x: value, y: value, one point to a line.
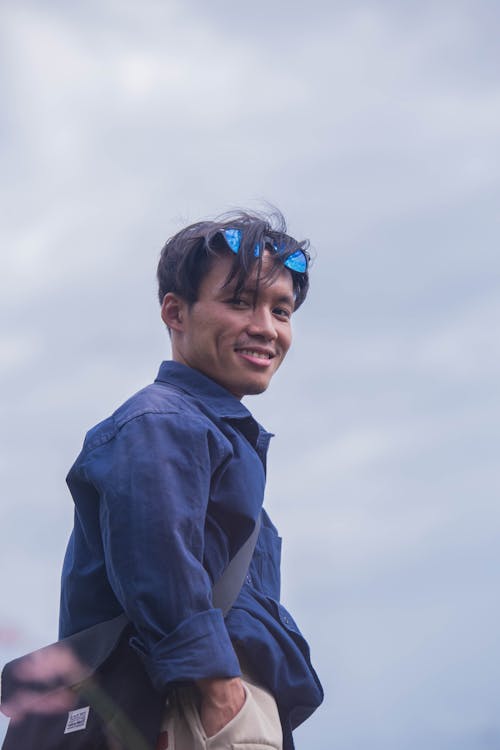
x: 256, y: 354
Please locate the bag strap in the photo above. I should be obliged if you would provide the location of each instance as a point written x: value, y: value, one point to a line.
x: 94, y: 644
x: 225, y: 591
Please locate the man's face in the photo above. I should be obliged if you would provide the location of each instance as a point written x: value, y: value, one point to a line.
x: 236, y: 341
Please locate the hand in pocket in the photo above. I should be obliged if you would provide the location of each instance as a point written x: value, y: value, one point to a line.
x: 221, y: 700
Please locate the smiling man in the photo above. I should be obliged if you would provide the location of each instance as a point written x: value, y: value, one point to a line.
x: 237, y: 339
x: 170, y: 487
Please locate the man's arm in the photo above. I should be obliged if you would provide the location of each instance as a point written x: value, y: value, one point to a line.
x: 153, y: 480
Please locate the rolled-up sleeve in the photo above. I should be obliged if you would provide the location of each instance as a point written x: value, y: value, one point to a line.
x: 153, y: 479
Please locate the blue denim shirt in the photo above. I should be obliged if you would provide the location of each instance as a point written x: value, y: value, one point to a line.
x: 166, y: 490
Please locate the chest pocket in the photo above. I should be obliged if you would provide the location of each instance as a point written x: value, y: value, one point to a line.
x: 264, y: 573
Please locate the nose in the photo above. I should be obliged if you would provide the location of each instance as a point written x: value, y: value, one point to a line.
x: 262, y: 324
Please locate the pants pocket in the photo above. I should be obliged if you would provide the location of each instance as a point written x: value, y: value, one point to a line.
x: 255, y: 727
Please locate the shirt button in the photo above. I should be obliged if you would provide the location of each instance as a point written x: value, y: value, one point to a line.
x: 249, y: 579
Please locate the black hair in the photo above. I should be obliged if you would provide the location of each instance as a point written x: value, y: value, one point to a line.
x: 187, y: 257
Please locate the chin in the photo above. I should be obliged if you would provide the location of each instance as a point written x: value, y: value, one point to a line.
x: 253, y: 389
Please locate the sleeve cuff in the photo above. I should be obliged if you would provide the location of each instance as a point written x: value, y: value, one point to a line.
x: 198, y: 648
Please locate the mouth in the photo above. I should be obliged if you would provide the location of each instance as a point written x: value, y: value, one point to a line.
x: 256, y: 353
x: 260, y: 357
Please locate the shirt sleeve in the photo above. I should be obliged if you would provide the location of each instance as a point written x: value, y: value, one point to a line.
x: 153, y: 480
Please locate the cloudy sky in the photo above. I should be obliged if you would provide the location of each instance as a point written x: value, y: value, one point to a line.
x: 375, y: 127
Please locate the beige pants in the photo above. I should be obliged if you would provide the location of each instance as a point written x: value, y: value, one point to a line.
x: 255, y: 727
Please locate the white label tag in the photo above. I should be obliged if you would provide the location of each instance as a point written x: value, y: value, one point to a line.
x: 77, y: 720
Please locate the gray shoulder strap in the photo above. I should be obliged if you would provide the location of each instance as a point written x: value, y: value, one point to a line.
x: 225, y: 591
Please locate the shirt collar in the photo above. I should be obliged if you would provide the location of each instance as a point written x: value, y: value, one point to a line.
x: 218, y: 400
x: 200, y: 386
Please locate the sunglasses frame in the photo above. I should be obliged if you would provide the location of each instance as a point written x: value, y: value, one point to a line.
x: 297, y: 261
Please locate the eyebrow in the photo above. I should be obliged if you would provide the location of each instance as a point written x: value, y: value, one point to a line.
x: 283, y: 299
x: 286, y: 299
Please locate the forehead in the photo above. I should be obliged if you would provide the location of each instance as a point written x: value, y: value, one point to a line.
x: 266, y: 278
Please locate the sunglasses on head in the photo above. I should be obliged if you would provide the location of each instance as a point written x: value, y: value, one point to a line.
x: 297, y: 261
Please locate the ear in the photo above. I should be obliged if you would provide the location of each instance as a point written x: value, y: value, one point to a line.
x: 173, y: 310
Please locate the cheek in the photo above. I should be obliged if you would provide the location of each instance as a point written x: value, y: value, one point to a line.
x: 286, y: 341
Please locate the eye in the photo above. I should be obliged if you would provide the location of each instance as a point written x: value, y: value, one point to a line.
x: 282, y: 312
x: 238, y: 302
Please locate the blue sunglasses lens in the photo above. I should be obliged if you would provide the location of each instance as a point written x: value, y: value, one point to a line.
x: 233, y: 239
x: 297, y: 261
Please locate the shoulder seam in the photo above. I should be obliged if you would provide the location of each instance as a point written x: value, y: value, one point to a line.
x: 120, y: 424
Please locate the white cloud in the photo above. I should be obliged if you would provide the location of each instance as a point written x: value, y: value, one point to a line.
x: 17, y: 351
x: 465, y: 346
